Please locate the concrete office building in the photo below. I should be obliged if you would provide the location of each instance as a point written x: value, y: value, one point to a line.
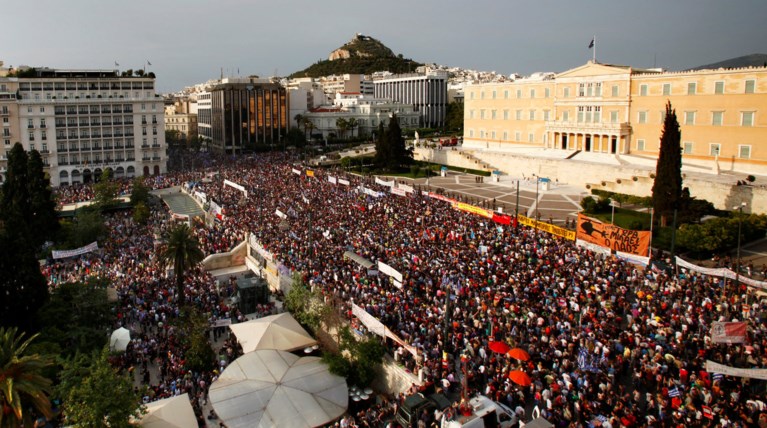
x: 426, y: 92
x: 84, y: 122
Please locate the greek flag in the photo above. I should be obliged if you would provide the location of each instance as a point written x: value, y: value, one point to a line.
x: 674, y: 392
x: 717, y: 376
x: 586, y: 361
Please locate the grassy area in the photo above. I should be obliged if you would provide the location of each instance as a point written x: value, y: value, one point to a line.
x: 627, y: 219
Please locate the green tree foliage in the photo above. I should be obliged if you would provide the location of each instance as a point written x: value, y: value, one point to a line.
x: 87, y: 226
x: 357, y: 358
x: 105, y: 192
x: 295, y: 138
x: 141, y: 213
x: 591, y: 206
x: 358, y: 65
x: 95, y: 394
x: 198, y: 354
x: 342, y: 125
x: 454, y: 116
x: 173, y: 138
x: 391, y: 150
x: 22, y: 231
x: 721, y: 234
x: 307, y: 307
x: 78, y: 317
x: 667, y: 187
x: 22, y: 384
x: 352, y: 123
x: 140, y: 192
x: 182, y: 251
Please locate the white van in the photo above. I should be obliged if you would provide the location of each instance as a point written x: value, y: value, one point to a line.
x: 486, y: 413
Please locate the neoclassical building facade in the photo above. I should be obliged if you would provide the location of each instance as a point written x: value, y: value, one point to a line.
x: 620, y: 110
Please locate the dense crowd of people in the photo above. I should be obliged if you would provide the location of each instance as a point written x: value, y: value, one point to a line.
x: 611, y: 343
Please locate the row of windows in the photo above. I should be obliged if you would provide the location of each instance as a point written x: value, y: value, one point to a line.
x: 493, y: 114
x: 504, y: 137
x: 714, y: 149
x: 82, y: 86
x: 494, y: 94
x: 692, y: 88
x: 689, y: 118
x: 88, y: 95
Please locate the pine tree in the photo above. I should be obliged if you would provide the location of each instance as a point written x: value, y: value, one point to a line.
x: 44, y: 222
x: 667, y: 188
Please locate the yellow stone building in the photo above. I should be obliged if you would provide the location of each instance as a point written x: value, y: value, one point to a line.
x: 619, y: 110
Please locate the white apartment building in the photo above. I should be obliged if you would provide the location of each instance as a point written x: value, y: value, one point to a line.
x: 367, y: 111
x: 426, y: 92
x: 84, y: 122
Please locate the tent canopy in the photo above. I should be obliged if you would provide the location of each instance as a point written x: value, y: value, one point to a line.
x: 269, y: 388
x: 173, y: 412
x: 119, y: 340
x: 281, y: 332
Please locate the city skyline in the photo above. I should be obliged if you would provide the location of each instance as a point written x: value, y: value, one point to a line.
x: 191, y: 42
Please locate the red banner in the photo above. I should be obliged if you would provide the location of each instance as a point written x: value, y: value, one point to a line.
x: 613, y: 237
x: 728, y: 332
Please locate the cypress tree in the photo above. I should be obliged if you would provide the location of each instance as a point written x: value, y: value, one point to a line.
x: 667, y: 188
x: 43, y: 220
x: 399, y: 154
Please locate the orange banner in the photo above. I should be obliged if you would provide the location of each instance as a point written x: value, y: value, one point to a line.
x: 309, y: 173
x: 613, y: 237
x: 546, y: 227
x: 472, y: 209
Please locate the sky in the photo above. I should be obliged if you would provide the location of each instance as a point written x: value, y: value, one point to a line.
x: 190, y: 41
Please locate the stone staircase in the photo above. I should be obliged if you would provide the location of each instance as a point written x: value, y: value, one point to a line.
x: 480, y: 164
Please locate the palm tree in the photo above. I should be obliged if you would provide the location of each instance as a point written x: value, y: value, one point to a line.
x: 182, y: 250
x: 299, y: 118
x: 309, y: 125
x: 342, y: 125
x: 21, y: 383
x: 351, y: 124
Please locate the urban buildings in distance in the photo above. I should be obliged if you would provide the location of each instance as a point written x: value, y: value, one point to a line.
x: 619, y: 110
x: 84, y: 122
x: 365, y: 112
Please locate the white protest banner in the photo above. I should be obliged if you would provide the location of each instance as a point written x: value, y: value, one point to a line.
x: 371, y: 323
x: 388, y: 270
x: 62, y: 254
x: 384, y: 183
x: 344, y: 182
x: 633, y: 258
x: 397, y: 191
x: 405, y: 187
x: 236, y: 186
x: 259, y: 249
x: 332, y: 179
x: 721, y: 272
x: 222, y: 322
x: 728, y: 332
x: 371, y: 192
x: 280, y: 214
x: 713, y: 367
x: 295, y: 171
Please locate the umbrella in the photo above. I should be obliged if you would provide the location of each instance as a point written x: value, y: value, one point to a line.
x: 119, y: 339
x: 519, y: 354
x: 173, y: 412
x: 520, y: 378
x: 268, y: 388
x: 499, y: 347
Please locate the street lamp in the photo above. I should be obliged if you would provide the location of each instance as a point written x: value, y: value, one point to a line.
x: 612, y: 218
x: 737, y: 256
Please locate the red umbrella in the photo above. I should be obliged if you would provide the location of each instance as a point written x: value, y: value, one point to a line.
x: 499, y: 347
x: 520, y: 378
x: 519, y: 354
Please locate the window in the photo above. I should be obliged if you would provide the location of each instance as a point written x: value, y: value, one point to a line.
x: 588, y: 113
x: 642, y: 117
x: 471, y: 114
x: 663, y: 116
x: 566, y: 92
x: 747, y: 118
x: 532, y: 93
x: 547, y: 92
x: 687, y: 147
x: 531, y: 138
x: 482, y: 95
x: 471, y: 133
x: 613, y: 117
x: 598, y: 89
x: 493, y: 114
x: 517, y: 136
x: 482, y: 134
x: 545, y: 115
x: 597, y: 114
x: 744, y: 152
x: 519, y: 93
x: 505, y: 135
x: 493, y: 94
x: 581, y: 89
x: 565, y: 116
x: 532, y: 115
x: 519, y: 115
x: 691, y: 88
x: 31, y: 136
x: 505, y: 115
x: 506, y: 94
x: 719, y: 87
x: 581, y: 110
x: 643, y: 90
x: 667, y: 89
x: 640, y: 145
x: 42, y: 109
x: 471, y: 95
x: 716, y: 118
x: 689, y: 118
x: 615, y: 90
x: 482, y: 114
x: 43, y: 135
x: 30, y: 123
x: 713, y: 149
x: 492, y: 135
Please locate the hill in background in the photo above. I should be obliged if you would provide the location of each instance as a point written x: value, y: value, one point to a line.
x: 362, y: 55
x: 753, y: 60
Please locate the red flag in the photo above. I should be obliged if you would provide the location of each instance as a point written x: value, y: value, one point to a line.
x: 728, y: 332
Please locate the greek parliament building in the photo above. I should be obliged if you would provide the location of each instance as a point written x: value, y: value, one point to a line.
x: 619, y: 110
x: 240, y: 113
x: 83, y: 122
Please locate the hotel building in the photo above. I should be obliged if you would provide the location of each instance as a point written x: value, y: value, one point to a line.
x: 426, y: 92
x: 620, y: 110
x: 84, y: 122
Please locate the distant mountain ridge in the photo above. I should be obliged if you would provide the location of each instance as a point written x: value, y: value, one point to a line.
x: 753, y: 60
x: 361, y: 55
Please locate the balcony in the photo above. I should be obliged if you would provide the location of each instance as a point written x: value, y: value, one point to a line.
x: 155, y: 146
x: 155, y: 158
x: 154, y: 122
x: 145, y: 146
x: 130, y: 146
x: 145, y: 159
x: 42, y: 125
x: 130, y: 159
x: 64, y: 163
x: 143, y: 122
x: 30, y: 126
x: 45, y: 152
x: 119, y: 160
x: 62, y: 149
x: 5, y: 113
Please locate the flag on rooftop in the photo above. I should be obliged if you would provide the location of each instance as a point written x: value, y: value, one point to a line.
x: 591, y: 44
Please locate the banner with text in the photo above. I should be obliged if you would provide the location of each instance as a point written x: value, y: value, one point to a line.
x: 384, y: 183
x: 344, y: 182
x: 376, y: 327
x: 332, y: 179
x: 472, y: 209
x: 63, y: 254
x: 728, y: 332
x: 440, y: 197
x: 721, y: 272
x: 309, y: 173
x: 397, y: 191
x: 546, y: 227
x: 613, y: 237
x: 236, y: 186
x: 405, y: 187
x: 295, y: 171
x: 388, y: 270
x: 713, y: 367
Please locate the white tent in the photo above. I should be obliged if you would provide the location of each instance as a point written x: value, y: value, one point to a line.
x: 270, y: 388
x: 173, y: 412
x: 119, y: 340
x: 281, y: 332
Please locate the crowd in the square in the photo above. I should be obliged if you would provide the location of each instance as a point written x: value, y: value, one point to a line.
x: 611, y: 343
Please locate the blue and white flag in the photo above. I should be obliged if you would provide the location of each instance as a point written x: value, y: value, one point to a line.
x: 674, y: 392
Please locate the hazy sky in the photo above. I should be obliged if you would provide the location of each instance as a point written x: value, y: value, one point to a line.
x: 189, y: 41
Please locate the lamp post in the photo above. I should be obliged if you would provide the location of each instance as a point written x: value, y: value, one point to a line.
x: 737, y: 255
x: 612, y: 218
x: 537, y: 180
